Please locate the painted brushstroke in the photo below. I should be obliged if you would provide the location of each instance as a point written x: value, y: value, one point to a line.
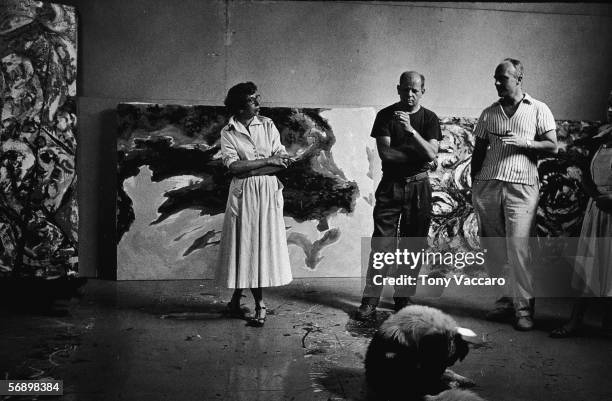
x: 562, y: 201
x: 172, y: 141
x: 38, y: 208
x: 175, y: 188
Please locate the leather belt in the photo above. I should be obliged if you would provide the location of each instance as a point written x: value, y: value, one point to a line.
x: 416, y: 177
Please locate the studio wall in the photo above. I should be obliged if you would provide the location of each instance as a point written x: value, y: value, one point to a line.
x: 320, y: 54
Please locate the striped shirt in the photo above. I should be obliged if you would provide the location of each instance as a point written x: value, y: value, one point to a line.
x: 506, y: 162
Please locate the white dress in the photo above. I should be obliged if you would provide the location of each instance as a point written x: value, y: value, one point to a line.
x: 253, y: 251
x: 593, y: 265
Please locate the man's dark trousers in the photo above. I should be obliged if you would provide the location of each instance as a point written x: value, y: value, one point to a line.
x: 403, y: 208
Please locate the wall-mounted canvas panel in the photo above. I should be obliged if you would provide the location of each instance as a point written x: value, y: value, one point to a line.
x: 38, y: 141
x: 562, y: 200
x: 172, y: 188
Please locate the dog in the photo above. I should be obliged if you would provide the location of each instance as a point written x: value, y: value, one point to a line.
x: 454, y: 395
x: 410, y: 352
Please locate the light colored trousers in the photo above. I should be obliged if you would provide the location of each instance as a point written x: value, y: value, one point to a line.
x: 506, y: 215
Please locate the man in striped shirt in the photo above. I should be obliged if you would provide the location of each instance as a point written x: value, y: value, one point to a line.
x: 505, y: 188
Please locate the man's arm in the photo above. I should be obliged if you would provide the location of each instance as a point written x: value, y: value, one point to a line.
x: 546, y: 143
x: 427, y: 148
x: 478, y: 156
x: 387, y: 153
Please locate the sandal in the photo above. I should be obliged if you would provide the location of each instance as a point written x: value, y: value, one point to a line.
x: 260, y: 317
x: 233, y: 309
x: 564, y: 332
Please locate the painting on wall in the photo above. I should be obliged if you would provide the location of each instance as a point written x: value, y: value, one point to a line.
x: 562, y: 201
x: 172, y: 188
x: 38, y: 213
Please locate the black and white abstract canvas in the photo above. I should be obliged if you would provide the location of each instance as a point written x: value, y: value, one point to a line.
x: 173, y: 188
x: 38, y: 140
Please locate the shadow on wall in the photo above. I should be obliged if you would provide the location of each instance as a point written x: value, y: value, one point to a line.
x: 106, y: 205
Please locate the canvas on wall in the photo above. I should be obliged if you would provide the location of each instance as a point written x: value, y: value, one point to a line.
x: 173, y: 188
x: 38, y: 66
x: 562, y: 200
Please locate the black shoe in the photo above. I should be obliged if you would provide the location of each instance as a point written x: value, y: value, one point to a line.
x: 564, y: 332
x: 503, y: 310
x: 365, y: 312
x: 401, y: 303
x: 260, y: 317
x: 523, y: 323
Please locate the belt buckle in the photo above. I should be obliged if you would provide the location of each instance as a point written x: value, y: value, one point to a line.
x: 414, y: 177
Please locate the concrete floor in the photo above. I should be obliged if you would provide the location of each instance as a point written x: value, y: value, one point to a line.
x: 169, y: 341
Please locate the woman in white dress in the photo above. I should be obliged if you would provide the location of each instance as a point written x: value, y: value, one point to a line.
x: 593, y: 265
x: 253, y: 252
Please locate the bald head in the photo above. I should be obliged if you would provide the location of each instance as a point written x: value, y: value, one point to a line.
x: 412, y: 78
x: 514, y: 66
x: 509, y: 78
x: 410, y: 89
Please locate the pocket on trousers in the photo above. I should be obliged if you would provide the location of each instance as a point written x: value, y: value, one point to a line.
x: 384, y: 191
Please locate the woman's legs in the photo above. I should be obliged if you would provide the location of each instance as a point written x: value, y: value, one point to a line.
x: 573, y: 324
x: 236, y: 297
x: 578, y: 310
x: 260, y: 307
x: 258, y: 296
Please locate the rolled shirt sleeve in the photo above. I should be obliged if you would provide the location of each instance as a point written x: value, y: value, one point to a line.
x: 479, y: 130
x: 229, y: 154
x: 546, y: 121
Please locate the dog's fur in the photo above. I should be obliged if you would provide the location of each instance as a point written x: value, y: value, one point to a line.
x: 410, y: 352
x: 454, y: 395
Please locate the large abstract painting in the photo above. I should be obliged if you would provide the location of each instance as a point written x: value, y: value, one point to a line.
x: 562, y: 201
x: 173, y: 188
x: 38, y: 213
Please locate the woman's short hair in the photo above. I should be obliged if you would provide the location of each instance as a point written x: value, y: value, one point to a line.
x: 237, y: 96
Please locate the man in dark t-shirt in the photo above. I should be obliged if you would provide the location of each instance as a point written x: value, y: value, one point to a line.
x: 407, y: 138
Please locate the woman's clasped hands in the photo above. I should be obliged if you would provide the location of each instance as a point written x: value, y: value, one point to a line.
x: 280, y: 160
